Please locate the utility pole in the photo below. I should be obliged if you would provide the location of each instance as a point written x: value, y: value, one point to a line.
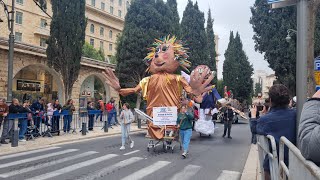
x: 10, y: 55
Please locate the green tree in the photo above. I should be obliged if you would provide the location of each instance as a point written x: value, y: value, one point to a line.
x: 237, y: 70
x: 220, y: 86
x: 211, y: 46
x: 175, y: 17
x: 90, y: 52
x: 145, y: 21
x: 193, y: 32
x: 67, y: 37
x: 258, y: 89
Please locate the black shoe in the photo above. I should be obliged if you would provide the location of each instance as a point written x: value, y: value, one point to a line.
x: 223, y: 135
x: 229, y: 137
x: 4, y: 142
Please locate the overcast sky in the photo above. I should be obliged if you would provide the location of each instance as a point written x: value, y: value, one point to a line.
x: 231, y: 15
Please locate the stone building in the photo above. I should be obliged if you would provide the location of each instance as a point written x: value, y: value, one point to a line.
x: 32, y: 75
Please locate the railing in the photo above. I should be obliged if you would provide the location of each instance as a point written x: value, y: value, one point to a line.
x: 267, y: 148
x: 44, y: 125
x: 299, y: 168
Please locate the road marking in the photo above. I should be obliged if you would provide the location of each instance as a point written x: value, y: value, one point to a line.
x: 37, y: 158
x: 147, y: 170
x: 48, y: 164
x: 229, y: 175
x: 131, y: 152
x: 105, y: 171
x: 186, y: 173
x: 27, y: 152
x: 73, y: 167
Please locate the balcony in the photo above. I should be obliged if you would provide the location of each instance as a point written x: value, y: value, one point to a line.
x: 42, y: 32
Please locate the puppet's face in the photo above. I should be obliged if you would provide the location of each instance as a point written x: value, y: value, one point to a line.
x: 164, y: 60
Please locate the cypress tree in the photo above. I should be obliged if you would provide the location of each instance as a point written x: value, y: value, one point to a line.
x: 175, y: 17
x: 193, y: 32
x: 67, y: 37
x: 211, y: 45
x: 237, y: 70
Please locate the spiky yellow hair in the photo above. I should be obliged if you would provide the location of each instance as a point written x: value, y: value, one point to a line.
x: 180, y: 52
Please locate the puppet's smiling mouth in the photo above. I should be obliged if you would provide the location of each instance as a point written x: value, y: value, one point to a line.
x: 159, y: 64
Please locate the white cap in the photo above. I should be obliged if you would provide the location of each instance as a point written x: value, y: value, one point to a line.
x: 294, y: 99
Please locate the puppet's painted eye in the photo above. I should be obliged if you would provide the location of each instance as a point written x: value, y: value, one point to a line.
x: 158, y: 49
x: 165, y: 48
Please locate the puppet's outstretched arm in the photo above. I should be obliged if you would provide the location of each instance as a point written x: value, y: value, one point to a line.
x: 128, y: 91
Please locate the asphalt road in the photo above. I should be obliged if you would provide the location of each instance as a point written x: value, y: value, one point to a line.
x: 210, y: 158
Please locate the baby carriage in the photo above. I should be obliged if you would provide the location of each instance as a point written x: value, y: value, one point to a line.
x: 168, y: 136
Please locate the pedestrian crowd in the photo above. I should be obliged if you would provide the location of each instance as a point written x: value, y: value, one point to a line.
x: 32, y: 116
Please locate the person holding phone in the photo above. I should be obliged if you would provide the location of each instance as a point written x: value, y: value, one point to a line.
x: 126, y: 118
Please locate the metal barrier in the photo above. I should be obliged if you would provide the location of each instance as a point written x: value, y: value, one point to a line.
x: 299, y: 168
x: 267, y: 148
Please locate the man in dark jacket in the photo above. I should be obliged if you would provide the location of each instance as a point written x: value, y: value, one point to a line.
x: 37, y: 108
x: 309, y: 129
x: 228, y: 118
x: 280, y: 121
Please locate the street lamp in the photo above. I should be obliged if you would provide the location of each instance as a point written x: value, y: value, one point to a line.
x: 10, y: 16
x: 290, y: 32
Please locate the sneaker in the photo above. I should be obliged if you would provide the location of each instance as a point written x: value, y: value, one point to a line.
x: 4, y: 142
x: 184, y: 155
x: 122, y: 148
x: 131, y: 144
x: 223, y: 135
x: 22, y: 140
x: 229, y: 137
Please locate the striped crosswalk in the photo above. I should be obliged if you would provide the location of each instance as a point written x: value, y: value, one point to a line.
x: 58, y: 163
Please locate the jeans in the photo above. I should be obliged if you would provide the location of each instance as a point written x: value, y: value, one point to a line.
x: 23, y: 125
x: 55, y: 123
x: 7, y: 127
x: 1, y: 119
x: 253, y: 126
x: 100, y: 114
x: 227, y: 126
x: 185, y: 136
x: 91, y: 121
x: 67, y: 119
x: 36, y: 122
x: 125, y: 130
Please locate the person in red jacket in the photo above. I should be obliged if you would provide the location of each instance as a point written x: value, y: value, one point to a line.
x: 111, y: 110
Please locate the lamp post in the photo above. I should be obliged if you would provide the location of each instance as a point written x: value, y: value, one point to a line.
x: 290, y: 32
x: 10, y: 16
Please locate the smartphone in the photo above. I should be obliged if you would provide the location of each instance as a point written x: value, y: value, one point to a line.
x: 259, y: 108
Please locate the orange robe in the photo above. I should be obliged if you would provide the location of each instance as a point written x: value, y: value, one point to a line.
x: 162, y: 90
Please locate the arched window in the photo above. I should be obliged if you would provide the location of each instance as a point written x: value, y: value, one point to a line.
x: 110, y: 34
x: 92, y: 28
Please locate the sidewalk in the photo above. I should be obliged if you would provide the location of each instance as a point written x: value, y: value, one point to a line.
x: 251, y: 169
x: 43, y: 142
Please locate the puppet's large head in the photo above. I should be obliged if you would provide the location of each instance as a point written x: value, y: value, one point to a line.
x: 167, y: 55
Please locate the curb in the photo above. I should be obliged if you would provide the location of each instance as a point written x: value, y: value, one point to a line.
x: 250, y: 170
x: 62, y: 142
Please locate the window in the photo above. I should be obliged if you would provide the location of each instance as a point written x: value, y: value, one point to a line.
x: 119, y: 13
x: 101, y: 46
x: 103, y: 6
x: 19, y: 1
x: 93, y: 2
x: 92, y: 28
x: 111, y: 1
x: 110, y: 34
x: 43, y: 23
x: 92, y: 42
x: 120, y: 2
x: 110, y: 47
x: 18, y: 37
x: 101, y: 31
x: 43, y: 42
x: 19, y: 17
x: 111, y: 10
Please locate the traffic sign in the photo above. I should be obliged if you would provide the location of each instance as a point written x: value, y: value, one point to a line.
x: 281, y: 3
x: 317, y: 88
x: 317, y: 63
x: 317, y: 77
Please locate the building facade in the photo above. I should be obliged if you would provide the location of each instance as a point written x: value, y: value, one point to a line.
x: 266, y: 80
x: 216, y: 41
x: 32, y: 75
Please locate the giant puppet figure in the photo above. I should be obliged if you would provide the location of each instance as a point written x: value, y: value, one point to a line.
x: 164, y: 87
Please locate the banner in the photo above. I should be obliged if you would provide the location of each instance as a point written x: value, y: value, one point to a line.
x: 165, y: 116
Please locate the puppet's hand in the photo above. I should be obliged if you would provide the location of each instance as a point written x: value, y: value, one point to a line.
x: 111, y: 79
x: 200, y: 77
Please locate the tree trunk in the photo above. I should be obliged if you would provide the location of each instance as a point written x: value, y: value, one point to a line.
x: 138, y: 102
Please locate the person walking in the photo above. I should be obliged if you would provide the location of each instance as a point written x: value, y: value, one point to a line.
x: 126, y: 118
x: 184, y: 123
x: 67, y: 119
x: 228, y: 118
x: 4, y: 110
